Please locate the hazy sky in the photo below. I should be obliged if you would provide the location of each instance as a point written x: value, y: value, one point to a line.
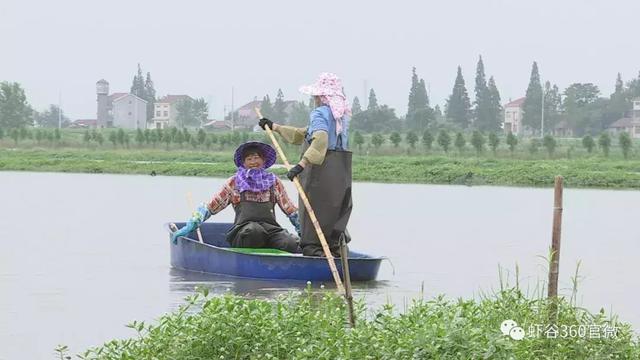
x: 203, y: 48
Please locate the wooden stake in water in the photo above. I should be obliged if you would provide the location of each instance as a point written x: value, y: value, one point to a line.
x: 555, y: 247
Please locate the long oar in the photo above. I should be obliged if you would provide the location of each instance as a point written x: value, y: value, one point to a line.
x: 344, y: 257
x: 307, y: 205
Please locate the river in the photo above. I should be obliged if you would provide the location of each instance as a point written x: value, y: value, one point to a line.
x: 82, y: 255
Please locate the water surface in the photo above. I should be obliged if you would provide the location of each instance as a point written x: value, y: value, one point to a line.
x: 82, y: 255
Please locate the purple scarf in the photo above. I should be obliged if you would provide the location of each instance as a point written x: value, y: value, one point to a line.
x: 254, y: 180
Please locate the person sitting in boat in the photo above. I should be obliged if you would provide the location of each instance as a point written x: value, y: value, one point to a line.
x: 253, y: 191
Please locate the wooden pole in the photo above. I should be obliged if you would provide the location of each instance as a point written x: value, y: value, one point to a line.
x: 555, y: 247
x: 344, y: 257
x: 190, y: 200
x: 307, y: 205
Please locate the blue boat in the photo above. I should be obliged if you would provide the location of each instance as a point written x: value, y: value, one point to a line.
x: 216, y: 257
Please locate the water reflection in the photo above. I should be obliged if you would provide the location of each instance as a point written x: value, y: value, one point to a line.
x: 183, y: 283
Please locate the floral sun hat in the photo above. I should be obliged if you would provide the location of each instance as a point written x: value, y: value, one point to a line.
x: 329, y: 87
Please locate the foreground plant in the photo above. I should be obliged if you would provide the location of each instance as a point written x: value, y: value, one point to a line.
x: 312, y: 326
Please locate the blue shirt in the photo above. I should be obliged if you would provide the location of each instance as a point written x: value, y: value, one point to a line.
x: 321, y: 119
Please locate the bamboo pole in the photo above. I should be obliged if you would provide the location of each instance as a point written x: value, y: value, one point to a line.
x: 344, y: 257
x: 555, y: 247
x: 190, y: 200
x: 307, y: 205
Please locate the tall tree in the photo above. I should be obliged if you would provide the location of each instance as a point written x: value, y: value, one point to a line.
x: 15, y: 111
x: 552, y: 104
x: 192, y: 112
x: 279, y: 113
x: 460, y: 142
x: 185, y: 115
x: 377, y: 140
x: 266, y: 108
x: 422, y: 99
x: 358, y: 140
x: 482, y: 104
x: 495, y: 108
x: 458, y: 104
x: 373, y: 100
x: 395, y: 138
x: 478, y: 141
x: 427, y: 139
x: 532, y: 106
x: 624, y: 139
x: 143, y: 88
x: 50, y: 117
x: 299, y: 114
x: 583, y: 108
x: 512, y: 141
x: 419, y: 114
x: 200, y: 111
x: 605, y: 143
x: 412, y: 139
x: 444, y: 140
x: 382, y: 118
x: 137, y: 87
x: 411, y: 107
x: 418, y: 97
x: 619, y: 104
x: 588, y: 143
x: 355, y: 107
x: 437, y: 114
x: 150, y: 95
x: 633, y: 88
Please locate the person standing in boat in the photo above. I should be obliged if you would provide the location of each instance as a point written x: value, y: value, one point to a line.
x: 324, y: 169
x: 253, y: 191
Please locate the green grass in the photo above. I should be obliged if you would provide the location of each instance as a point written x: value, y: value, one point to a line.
x: 312, y: 326
x: 593, y: 172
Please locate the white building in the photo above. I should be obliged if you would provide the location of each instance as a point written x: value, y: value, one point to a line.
x: 122, y: 110
x: 513, y: 117
x: 129, y: 112
x: 165, y: 111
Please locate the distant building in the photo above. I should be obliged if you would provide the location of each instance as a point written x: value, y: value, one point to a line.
x: 630, y: 125
x: 289, y: 109
x: 122, y: 110
x: 129, y: 112
x: 513, y: 112
x: 217, y: 125
x: 563, y: 130
x: 84, y: 124
x: 102, y: 89
x: 246, y: 115
x: 165, y: 111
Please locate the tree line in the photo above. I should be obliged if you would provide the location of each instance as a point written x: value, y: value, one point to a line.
x: 446, y: 141
x: 580, y: 107
x: 183, y: 138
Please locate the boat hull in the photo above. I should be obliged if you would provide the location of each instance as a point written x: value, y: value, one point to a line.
x: 215, y: 257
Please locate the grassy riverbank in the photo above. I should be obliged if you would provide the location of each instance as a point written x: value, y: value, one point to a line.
x: 312, y: 326
x: 595, y: 172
